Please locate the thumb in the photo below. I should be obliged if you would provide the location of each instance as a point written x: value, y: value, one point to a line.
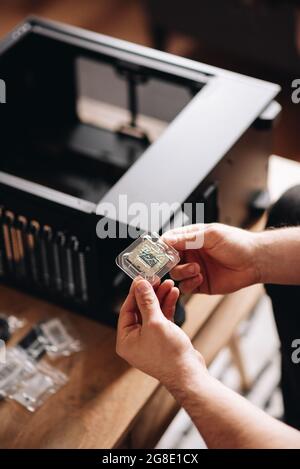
x: 147, y: 301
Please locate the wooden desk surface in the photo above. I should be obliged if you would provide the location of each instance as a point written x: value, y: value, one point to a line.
x: 104, y: 396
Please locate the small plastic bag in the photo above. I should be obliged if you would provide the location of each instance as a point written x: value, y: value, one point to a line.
x: 9, y: 324
x: 15, y: 323
x: 149, y: 257
x: 59, y: 338
x: 18, y: 366
x: 34, y: 343
x: 36, y: 388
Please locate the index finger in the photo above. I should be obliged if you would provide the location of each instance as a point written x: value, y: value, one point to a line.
x: 186, y: 237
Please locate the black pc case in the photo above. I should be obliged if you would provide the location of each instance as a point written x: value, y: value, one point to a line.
x: 87, y: 118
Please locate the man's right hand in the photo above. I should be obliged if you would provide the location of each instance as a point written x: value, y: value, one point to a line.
x: 226, y: 262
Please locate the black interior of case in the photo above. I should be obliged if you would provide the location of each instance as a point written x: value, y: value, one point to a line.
x: 46, y: 142
x: 57, y: 162
x: 46, y: 139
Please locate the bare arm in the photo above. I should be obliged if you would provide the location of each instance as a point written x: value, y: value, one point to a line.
x: 227, y: 420
x: 278, y: 256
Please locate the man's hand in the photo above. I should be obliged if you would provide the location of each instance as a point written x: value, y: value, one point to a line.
x: 226, y: 262
x: 147, y: 337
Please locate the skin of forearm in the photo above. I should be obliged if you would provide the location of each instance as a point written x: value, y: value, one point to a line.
x: 277, y: 256
x: 227, y: 420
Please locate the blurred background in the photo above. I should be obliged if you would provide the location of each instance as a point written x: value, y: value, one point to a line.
x: 260, y: 38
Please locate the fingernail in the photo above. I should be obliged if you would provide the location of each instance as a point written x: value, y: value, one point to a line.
x: 138, y: 278
x: 142, y: 286
x: 191, y: 269
x: 170, y: 239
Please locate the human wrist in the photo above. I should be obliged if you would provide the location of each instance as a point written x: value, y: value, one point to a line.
x: 263, y: 255
x: 188, y: 372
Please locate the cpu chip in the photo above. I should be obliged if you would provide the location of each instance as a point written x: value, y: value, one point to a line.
x: 149, y: 257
